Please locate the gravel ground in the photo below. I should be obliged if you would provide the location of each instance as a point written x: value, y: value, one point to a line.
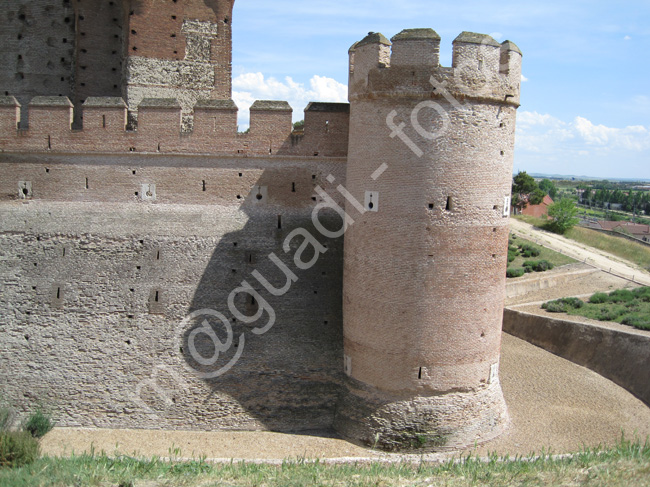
x: 553, y: 404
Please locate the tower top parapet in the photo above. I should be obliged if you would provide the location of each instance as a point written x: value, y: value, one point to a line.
x: 482, y: 68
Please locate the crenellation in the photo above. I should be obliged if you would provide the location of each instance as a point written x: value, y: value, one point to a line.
x: 159, y: 128
x: 372, y: 52
x: 416, y: 47
x: 477, y: 71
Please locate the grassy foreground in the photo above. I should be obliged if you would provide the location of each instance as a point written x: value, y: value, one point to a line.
x: 619, y: 246
x: 626, y: 464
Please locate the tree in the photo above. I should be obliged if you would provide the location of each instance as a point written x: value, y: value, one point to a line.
x: 548, y: 187
x: 563, y: 215
x: 523, y: 183
x: 299, y: 126
x: 536, y: 197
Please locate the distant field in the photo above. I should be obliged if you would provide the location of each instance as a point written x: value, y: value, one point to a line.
x: 619, y: 246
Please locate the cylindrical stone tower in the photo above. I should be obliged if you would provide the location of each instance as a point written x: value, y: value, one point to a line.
x: 430, y: 160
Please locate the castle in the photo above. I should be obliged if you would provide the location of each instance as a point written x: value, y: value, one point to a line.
x: 161, y: 270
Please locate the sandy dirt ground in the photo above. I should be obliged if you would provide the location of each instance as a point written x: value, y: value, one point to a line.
x: 553, y: 404
x: 582, y: 253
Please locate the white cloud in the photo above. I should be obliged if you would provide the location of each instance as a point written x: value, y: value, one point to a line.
x: 248, y: 87
x: 523, y: 78
x: 632, y: 137
x: 627, y: 38
x: 581, y: 147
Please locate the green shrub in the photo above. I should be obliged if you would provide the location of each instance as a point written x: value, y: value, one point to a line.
x: 556, y: 306
x: 563, y: 305
x: 621, y: 296
x: 538, y: 265
x: 529, y: 251
x: 575, y: 303
x: 611, y: 313
x: 17, y: 448
x: 512, y: 255
x: 516, y: 272
x: 599, y: 298
x: 6, y: 418
x: 38, y: 424
x: 637, y: 320
x: 642, y: 293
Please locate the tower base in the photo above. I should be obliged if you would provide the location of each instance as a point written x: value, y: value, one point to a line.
x: 393, y: 422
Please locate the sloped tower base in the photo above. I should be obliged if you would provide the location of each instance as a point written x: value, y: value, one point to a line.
x: 422, y: 423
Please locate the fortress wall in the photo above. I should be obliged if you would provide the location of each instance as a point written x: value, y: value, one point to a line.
x: 159, y: 128
x: 99, y: 46
x: 95, y: 291
x: 287, y: 182
x: 37, y: 56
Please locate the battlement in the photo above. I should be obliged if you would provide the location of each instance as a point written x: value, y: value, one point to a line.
x: 159, y: 128
x: 481, y: 67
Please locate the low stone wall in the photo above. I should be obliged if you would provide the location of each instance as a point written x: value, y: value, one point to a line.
x: 618, y: 355
x: 530, y: 283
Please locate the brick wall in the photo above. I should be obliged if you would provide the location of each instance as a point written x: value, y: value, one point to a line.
x: 159, y: 128
x: 96, y: 281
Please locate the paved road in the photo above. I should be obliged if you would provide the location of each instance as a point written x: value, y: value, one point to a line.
x: 597, y: 258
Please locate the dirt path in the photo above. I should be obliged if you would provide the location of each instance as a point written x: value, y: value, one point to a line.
x: 597, y: 258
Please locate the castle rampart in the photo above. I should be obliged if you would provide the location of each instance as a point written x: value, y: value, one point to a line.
x: 159, y: 128
x: 117, y: 229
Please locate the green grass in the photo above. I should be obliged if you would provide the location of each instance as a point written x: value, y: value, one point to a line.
x: 619, y: 246
x: 636, y: 253
x: 553, y: 257
x: 611, y: 215
x: 626, y: 464
x: 629, y: 307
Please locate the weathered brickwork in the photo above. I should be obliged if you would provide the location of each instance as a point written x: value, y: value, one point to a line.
x: 135, y: 49
x: 424, y: 266
x: 37, y: 56
x: 94, y: 292
x: 130, y: 205
x: 159, y: 128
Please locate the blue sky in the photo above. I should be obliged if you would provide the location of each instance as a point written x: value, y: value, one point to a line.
x: 586, y: 66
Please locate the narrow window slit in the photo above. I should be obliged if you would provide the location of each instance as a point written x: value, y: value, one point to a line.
x: 449, y: 205
x: 58, y: 293
x: 86, y: 183
x: 204, y: 185
x: 156, y: 297
x: 104, y: 121
x: 279, y: 222
x: 293, y: 187
x: 420, y: 373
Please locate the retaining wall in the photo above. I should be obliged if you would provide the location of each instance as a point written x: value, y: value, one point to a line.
x: 618, y: 355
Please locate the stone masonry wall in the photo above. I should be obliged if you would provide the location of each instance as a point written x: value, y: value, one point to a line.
x: 96, y: 284
x: 37, y: 56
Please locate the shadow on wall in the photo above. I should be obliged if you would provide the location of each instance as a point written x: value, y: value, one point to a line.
x: 276, y: 348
